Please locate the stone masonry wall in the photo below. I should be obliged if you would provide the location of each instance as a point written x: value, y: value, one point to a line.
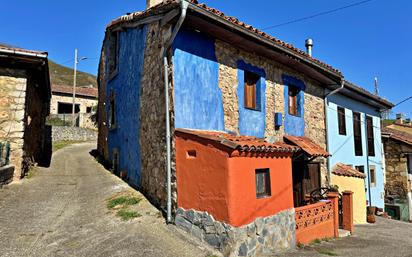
x: 263, y: 236
x: 12, y: 111
x: 152, y: 130
x: 396, y: 169
x: 81, y: 101
x: 63, y: 133
x: 228, y: 56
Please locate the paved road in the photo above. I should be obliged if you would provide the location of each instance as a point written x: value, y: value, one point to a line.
x: 61, y: 211
x: 385, y: 238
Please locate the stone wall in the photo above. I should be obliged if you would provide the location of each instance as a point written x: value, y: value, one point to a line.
x: 62, y: 133
x: 314, y: 115
x: 263, y: 236
x: 12, y: 111
x: 152, y: 126
x: 397, y: 183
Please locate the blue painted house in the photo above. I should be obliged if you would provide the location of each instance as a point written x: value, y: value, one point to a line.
x: 354, y: 136
x: 180, y: 64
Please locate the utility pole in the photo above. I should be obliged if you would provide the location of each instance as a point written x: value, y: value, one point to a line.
x: 74, y: 88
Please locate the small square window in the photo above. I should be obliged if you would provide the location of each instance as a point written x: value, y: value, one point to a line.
x: 360, y: 169
x: 263, y: 183
x: 250, y: 86
x: 88, y: 109
x: 293, y: 93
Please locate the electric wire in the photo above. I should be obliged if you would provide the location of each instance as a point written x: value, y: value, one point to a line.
x: 317, y: 14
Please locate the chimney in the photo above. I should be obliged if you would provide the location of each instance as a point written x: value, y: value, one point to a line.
x: 399, y: 118
x: 151, y: 3
x: 309, y: 46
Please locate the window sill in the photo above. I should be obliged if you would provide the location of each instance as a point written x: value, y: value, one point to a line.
x: 263, y: 196
x: 251, y: 109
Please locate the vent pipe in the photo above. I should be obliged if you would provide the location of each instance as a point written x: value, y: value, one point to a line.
x: 309, y: 46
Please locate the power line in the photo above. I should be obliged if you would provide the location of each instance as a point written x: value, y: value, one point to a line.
x: 317, y: 15
x: 401, y: 102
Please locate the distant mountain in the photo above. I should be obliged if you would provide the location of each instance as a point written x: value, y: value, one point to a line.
x: 61, y: 75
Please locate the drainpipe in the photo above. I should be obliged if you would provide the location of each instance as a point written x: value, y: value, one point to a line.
x: 167, y: 45
x: 342, y: 85
x: 367, y: 161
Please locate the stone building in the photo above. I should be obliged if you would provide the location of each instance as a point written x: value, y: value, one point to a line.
x: 398, y: 159
x: 220, y: 75
x: 25, y: 104
x: 85, y: 104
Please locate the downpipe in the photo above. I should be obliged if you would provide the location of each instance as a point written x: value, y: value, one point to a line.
x: 183, y: 5
x: 342, y: 85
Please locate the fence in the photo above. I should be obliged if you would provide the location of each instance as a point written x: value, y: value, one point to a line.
x: 84, y: 120
x: 4, y: 153
x: 317, y: 221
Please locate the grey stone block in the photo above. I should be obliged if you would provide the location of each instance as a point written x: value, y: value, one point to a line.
x: 243, y: 250
x: 183, y: 223
x: 213, y: 240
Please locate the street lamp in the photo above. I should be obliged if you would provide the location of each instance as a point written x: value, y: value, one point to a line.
x: 76, y: 61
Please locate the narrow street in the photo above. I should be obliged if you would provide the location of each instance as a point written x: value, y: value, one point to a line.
x: 61, y: 211
x: 385, y: 238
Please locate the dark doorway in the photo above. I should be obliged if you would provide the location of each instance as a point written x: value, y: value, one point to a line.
x: 65, y: 108
x: 306, y: 178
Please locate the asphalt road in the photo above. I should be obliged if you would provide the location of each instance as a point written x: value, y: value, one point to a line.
x: 61, y: 211
x: 385, y: 238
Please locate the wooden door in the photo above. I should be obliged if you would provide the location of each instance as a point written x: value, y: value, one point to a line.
x: 312, y: 178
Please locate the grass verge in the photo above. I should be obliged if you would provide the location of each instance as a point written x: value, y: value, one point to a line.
x: 122, y: 200
x: 61, y: 144
x: 126, y: 215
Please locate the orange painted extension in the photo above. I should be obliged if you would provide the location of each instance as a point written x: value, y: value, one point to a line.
x: 219, y: 178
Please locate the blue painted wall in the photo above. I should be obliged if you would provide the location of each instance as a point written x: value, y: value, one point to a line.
x: 126, y: 89
x: 197, y: 96
x: 251, y: 122
x: 342, y: 146
x: 294, y: 125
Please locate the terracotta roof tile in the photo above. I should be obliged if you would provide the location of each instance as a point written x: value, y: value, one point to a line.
x: 397, y: 135
x: 346, y: 170
x: 241, y: 143
x: 169, y: 4
x: 81, y: 91
x: 368, y: 94
x: 307, y: 145
x: 14, y: 49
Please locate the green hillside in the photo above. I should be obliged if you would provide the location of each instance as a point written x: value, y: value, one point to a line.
x: 61, y: 75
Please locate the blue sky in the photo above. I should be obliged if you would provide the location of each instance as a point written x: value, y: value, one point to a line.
x: 373, y: 39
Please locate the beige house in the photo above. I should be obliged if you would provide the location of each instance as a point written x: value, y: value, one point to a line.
x: 62, y: 103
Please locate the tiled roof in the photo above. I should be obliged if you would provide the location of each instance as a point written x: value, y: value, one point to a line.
x: 80, y: 91
x: 368, y: 94
x: 346, y: 170
x: 397, y: 135
x: 307, y: 145
x: 170, y: 4
x: 240, y: 143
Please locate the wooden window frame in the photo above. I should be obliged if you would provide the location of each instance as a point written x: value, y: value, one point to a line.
x: 371, y: 136
x: 267, y: 191
x: 341, y: 121
x: 113, y: 55
x: 250, y: 85
x: 357, y: 134
x: 293, y: 93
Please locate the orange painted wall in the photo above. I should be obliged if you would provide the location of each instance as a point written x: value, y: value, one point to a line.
x: 202, y: 182
x: 226, y: 187
x: 244, y: 207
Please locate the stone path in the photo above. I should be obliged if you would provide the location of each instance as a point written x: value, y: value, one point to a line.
x: 61, y: 211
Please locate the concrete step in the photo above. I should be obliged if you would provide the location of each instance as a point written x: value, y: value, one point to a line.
x: 344, y: 233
